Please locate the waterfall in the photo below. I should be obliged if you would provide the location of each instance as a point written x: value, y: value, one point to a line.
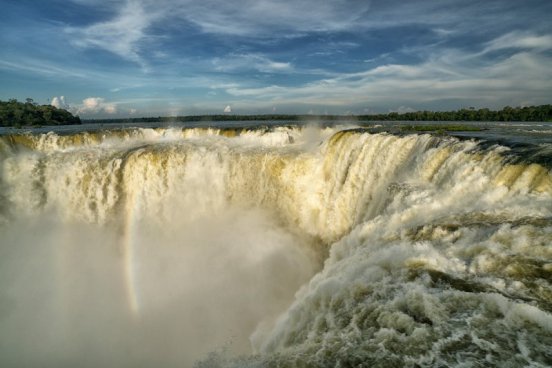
x: 284, y: 246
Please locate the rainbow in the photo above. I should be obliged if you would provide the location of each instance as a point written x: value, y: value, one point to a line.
x: 130, y: 265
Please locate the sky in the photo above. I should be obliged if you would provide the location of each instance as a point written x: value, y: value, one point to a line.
x: 121, y: 58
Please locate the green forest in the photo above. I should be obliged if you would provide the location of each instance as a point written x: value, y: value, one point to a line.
x: 529, y: 113
x: 541, y: 113
x: 18, y: 114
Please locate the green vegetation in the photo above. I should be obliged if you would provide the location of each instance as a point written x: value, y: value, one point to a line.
x: 18, y: 114
x: 530, y: 113
x: 440, y: 128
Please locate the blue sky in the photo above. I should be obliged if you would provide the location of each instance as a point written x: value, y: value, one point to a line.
x: 118, y: 58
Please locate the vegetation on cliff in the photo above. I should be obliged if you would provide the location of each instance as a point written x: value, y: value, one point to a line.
x: 18, y: 114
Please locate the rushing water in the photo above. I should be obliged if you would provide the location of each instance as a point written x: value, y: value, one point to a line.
x: 276, y: 247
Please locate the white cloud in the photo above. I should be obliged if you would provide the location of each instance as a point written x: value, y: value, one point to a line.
x: 269, y: 91
x: 228, y: 109
x: 60, y: 103
x: 403, y: 109
x: 88, y: 106
x: 96, y: 105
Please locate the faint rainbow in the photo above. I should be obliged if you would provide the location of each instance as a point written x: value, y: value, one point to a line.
x: 129, y: 253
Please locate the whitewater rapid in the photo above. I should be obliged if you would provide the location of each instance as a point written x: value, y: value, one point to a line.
x: 280, y: 246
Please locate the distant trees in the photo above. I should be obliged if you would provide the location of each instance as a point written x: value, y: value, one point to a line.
x: 15, y: 113
x: 18, y: 114
x: 528, y: 113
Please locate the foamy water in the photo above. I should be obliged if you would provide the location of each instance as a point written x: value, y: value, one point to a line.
x: 272, y: 247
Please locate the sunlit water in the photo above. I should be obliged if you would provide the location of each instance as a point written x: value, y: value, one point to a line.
x: 277, y: 246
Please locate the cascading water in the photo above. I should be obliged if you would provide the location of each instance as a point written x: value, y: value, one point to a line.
x: 285, y: 246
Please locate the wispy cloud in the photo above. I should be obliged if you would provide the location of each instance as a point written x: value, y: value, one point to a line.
x: 41, y: 68
x: 258, y: 62
x: 129, y: 32
x: 473, y: 79
x: 260, y: 18
x: 124, y: 33
x: 520, y: 40
x: 120, y: 35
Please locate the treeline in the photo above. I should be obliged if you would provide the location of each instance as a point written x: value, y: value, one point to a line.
x: 208, y: 118
x: 18, y: 114
x: 530, y: 113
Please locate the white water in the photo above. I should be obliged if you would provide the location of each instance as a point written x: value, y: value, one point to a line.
x: 156, y: 246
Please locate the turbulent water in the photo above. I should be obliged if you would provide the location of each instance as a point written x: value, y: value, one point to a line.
x: 280, y: 247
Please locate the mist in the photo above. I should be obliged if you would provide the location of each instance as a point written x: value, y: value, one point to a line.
x: 199, y: 286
